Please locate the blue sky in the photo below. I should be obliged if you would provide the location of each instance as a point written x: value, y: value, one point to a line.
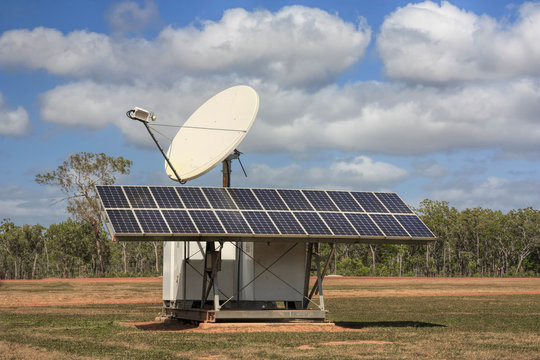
x: 437, y: 100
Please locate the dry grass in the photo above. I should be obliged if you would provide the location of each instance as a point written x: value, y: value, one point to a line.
x: 13, y: 351
x: 406, y: 318
x: 370, y: 287
x: 50, y: 292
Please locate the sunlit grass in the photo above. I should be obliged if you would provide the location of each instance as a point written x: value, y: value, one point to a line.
x: 413, y: 327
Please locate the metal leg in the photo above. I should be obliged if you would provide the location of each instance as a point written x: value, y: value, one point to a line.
x: 204, y: 295
x: 316, y: 286
x: 211, y: 256
x: 319, y: 278
x: 309, y: 254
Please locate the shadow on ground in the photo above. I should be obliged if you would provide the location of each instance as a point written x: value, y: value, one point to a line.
x: 389, y: 324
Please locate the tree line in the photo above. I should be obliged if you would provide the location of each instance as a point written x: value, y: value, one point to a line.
x: 471, y: 242
x: 68, y: 249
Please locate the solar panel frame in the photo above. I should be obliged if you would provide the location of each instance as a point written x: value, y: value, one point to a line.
x: 186, y: 214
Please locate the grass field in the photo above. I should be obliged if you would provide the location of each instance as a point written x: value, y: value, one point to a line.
x: 376, y: 318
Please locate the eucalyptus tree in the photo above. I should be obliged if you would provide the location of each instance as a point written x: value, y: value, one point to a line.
x: 77, y: 177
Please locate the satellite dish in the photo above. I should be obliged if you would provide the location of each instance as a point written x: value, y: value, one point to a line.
x: 212, y: 132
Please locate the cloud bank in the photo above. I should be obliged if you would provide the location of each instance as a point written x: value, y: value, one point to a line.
x: 427, y: 42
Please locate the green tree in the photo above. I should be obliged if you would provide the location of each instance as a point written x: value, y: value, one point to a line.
x: 77, y: 178
x: 71, y: 247
x: 526, y: 233
x: 34, y: 241
x: 11, y: 248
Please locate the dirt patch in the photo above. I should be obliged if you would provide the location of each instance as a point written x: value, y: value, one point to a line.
x: 355, y: 342
x: 179, y: 326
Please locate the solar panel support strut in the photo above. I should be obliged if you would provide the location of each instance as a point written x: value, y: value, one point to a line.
x: 313, y: 251
x: 212, y: 265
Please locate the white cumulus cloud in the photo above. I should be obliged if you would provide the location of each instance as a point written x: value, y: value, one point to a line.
x: 13, y: 122
x: 351, y: 173
x: 363, y: 117
x: 296, y: 45
x: 428, y: 42
x: 494, y: 192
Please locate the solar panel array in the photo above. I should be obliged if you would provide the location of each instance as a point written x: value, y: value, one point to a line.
x: 182, y: 213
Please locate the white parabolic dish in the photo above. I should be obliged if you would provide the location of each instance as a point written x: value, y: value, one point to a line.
x: 212, y: 132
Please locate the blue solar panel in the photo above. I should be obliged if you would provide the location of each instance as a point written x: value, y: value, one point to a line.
x: 389, y: 225
x: 112, y: 197
x: 319, y: 200
x: 176, y: 212
x: 179, y: 221
x: 369, y: 202
x: 151, y: 221
x: 123, y: 221
x: 206, y: 221
x: 260, y: 222
x: 233, y: 222
x: 193, y: 198
x: 414, y: 226
x: 363, y: 224
x: 219, y: 198
x: 270, y: 199
x: 285, y: 222
x: 393, y: 203
x: 338, y: 223
x: 312, y: 223
x: 344, y: 201
x: 166, y: 197
x: 139, y: 197
x: 244, y: 199
x: 295, y: 200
